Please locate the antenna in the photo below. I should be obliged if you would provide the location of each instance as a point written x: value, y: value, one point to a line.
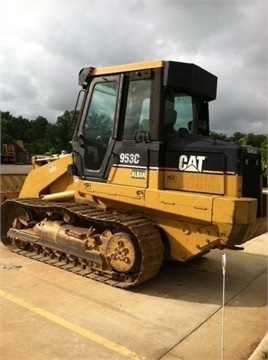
x: 223, y: 304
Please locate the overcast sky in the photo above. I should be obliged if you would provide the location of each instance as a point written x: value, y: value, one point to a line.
x: 45, y: 43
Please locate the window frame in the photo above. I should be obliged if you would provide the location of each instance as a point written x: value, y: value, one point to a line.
x: 100, y: 173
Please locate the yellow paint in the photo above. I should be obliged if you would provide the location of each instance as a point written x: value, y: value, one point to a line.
x: 48, y: 178
x: 126, y: 194
x: 131, y: 177
x: 199, y: 182
x: 156, y: 179
x: 193, y: 206
x: 233, y: 185
x: 229, y: 217
x: 187, y: 239
x: 234, y: 211
x: 72, y: 327
x: 128, y: 67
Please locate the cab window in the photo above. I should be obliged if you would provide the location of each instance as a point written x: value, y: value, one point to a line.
x: 137, y: 112
x: 185, y: 113
x: 98, y: 125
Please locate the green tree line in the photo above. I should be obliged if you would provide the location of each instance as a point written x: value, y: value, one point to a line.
x: 258, y: 141
x: 42, y: 137
x: 39, y: 136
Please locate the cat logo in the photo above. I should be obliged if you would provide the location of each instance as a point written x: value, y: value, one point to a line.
x: 191, y: 163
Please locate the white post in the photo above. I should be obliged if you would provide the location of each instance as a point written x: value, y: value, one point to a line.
x: 223, y: 304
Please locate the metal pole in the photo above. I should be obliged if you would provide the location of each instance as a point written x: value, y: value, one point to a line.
x: 223, y: 304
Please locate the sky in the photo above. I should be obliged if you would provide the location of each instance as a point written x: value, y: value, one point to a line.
x: 45, y: 43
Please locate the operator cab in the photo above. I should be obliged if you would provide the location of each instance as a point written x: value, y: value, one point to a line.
x: 137, y: 105
x: 187, y: 91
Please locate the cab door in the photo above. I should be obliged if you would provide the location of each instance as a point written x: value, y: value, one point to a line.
x: 94, y: 143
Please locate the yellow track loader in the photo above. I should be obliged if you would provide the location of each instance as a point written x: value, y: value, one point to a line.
x: 144, y: 182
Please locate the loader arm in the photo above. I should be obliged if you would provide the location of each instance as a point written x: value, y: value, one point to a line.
x: 49, y: 178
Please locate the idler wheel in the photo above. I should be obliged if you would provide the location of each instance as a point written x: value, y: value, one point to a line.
x: 13, y: 215
x: 123, y: 253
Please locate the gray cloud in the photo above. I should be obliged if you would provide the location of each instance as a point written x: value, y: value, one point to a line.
x: 46, y: 43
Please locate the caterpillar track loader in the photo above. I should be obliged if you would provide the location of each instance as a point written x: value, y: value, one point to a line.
x: 144, y: 182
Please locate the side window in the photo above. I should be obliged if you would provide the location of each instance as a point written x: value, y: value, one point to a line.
x: 138, y: 107
x: 98, y: 126
x: 183, y: 105
x: 180, y: 112
x: 185, y: 113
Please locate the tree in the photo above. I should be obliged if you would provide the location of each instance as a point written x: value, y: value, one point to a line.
x: 237, y: 138
x: 217, y: 136
x: 263, y: 148
x: 64, y: 131
x: 258, y: 141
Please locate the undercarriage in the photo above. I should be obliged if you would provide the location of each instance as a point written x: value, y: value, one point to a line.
x: 119, y: 249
